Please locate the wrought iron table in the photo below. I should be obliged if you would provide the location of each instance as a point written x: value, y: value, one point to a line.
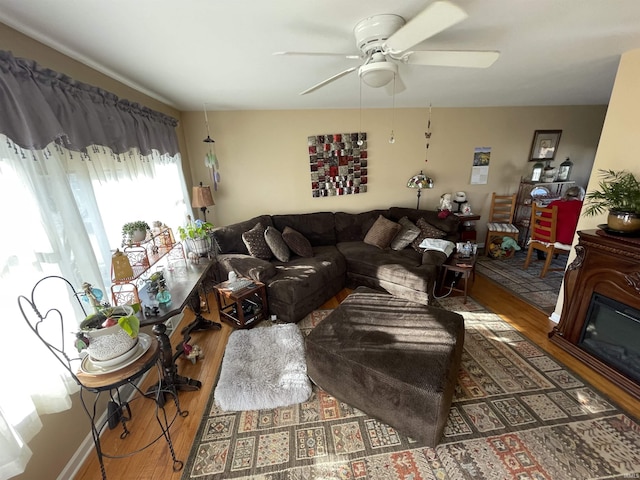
x: 185, y: 282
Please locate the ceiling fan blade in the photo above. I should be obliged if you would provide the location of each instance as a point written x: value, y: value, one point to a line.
x: 399, y: 86
x: 329, y: 80
x: 349, y: 56
x: 452, y: 58
x: 435, y: 18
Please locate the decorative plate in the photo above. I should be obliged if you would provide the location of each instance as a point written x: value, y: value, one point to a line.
x: 539, y: 192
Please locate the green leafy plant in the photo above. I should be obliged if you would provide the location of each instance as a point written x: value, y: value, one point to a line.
x: 128, y: 230
x: 109, y: 316
x: 197, y: 229
x: 618, y: 190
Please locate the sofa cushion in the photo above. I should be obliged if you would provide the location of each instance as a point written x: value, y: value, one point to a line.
x: 229, y: 238
x: 382, y: 232
x: 426, y: 231
x: 400, y: 267
x: 354, y: 226
x: 276, y: 243
x: 254, y: 268
x: 433, y: 257
x: 317, y: 227
x: 408, y: 233
x: 297, y: 242
x: 256, y: 244
x: 302, y: 284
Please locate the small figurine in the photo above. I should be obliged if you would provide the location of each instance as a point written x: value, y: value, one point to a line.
x: 194, y: 258
x: 192, y: 352
x: 151, y: 311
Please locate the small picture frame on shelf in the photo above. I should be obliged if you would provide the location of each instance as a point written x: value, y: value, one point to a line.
x: 544, y: 145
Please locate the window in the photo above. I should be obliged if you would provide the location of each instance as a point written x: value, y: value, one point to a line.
x: 62, y: 214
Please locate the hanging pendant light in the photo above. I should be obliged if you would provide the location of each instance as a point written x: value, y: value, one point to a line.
x: 360, y: 141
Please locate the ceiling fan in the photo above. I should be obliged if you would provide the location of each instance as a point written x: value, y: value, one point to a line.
x: 386, y: 40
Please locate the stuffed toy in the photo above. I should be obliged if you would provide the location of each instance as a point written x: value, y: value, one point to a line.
x: 509, y: 243
x: 504, y: 247
x: 445, y: 201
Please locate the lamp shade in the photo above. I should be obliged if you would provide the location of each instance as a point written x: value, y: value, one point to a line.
x: 202, y: 196
x: 420, y: 181
x: 378, y: 74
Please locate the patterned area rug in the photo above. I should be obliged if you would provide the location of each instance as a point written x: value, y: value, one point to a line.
x: 517, y: 414
x: 542, y: 293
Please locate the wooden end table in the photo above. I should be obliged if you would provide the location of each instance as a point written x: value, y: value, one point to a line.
x: 243, y: 308
x: 466, y: 266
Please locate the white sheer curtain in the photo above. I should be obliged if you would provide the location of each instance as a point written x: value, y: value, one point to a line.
x: 61, y: 214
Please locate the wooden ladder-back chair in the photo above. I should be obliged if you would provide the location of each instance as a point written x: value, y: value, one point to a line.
x: 500, y: 223
x: 543, y: 236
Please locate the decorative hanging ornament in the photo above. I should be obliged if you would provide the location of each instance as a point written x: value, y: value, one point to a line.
x: 210, y: 158
x: 427, y: 136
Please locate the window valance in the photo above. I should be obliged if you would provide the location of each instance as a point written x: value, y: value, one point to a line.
x: 40, y: 106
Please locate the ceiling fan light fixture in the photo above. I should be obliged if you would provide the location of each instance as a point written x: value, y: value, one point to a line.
x: 378, y: 75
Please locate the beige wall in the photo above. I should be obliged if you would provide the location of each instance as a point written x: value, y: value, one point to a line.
x: 265, y: 169
x: 619, y: 138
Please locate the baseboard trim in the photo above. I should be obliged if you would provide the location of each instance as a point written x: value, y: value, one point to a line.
x: 555, y: 318
x: 77, y: 460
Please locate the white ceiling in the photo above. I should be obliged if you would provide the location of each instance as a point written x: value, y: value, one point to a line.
x: 219, y: 52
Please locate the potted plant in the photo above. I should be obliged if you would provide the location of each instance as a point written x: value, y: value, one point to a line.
x: 619, y: 194
x: 109, y: 332
x: 134, y: 232
x: 196, y: 236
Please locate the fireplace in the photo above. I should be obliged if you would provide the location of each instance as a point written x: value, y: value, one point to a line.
x: 600, y: 321
x: 611, y: 333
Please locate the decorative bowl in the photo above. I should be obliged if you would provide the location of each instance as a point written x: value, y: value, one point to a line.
x: 119, y: 359
x: 111, y: 342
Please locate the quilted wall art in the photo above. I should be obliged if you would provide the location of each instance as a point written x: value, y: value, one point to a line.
x: 338, y: 164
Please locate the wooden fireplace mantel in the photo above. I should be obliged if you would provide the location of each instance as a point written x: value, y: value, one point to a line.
x: 608, y: 265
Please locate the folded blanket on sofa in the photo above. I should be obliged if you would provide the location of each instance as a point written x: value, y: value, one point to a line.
x: 439, y: 245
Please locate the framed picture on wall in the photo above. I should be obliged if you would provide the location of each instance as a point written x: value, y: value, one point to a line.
x: 544, y: 145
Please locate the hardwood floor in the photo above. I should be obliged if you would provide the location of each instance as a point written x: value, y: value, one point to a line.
x: 155, y: 462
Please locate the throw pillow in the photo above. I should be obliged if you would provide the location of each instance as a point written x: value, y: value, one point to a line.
x: 256, y: 244
x: 406, y: 235
x: 426, y: 231
x: 277, y: 244
x: 297, y: 242
x: 382, y: 232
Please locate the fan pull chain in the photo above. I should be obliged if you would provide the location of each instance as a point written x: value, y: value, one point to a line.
x: 392, y: 138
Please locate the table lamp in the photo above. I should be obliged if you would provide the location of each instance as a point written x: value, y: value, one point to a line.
x: 420, y: 181
x: 202, y: 199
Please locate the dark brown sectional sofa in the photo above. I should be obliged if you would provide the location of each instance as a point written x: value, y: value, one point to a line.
x: 340, y: 258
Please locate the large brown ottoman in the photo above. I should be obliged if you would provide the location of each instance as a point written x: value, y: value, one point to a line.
x: 394, y: 359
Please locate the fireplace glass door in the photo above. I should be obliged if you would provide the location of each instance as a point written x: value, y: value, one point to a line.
x: 612, y: 334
